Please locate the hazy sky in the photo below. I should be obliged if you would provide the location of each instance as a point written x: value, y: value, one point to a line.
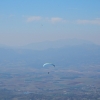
x: 28, y: 21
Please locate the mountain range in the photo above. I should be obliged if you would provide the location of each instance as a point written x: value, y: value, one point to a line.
x: 61, y: 53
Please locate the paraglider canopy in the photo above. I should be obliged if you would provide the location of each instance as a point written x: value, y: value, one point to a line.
x: 48, y: 64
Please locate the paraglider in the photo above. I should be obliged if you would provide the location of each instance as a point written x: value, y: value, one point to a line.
x: 48, y: 65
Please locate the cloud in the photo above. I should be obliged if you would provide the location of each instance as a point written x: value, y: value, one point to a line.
x: 52, y: 20
x: 56, y: 19
x: 33, y: 18
x: 95, y: 21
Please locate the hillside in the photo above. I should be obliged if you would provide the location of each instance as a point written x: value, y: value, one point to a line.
x: 64, y: 56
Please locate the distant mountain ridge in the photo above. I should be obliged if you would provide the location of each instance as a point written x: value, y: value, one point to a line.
x: 77, y: 55
x: 55, y: 44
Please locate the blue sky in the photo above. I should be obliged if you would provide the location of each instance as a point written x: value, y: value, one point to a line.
x: 28, y: 21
